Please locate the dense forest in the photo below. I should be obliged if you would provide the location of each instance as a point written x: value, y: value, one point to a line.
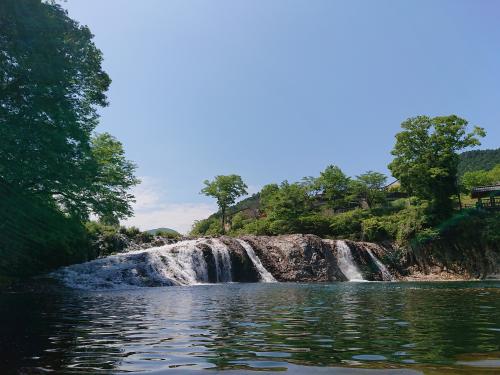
x: 56, y: 171
x: 477, y: 160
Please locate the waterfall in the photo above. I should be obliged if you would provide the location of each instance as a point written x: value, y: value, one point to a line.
x: 346, y: 262
x: 386, y: 275
x: 182, y: 263
x: 222, y: 261
x: 264, y: 274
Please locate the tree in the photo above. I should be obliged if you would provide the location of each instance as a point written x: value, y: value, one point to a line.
x: 286, y: 202
x: 108, y: 195
x: 369, y: 187
x: 51, y: 85
x: 226, y: 189
x: 54, y: 171
x: 285, y: 205
x: 333, y: 184
x: 426, y: 157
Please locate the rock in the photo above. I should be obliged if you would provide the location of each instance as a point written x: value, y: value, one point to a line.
x: 243, y: 269
x: 296, y: 257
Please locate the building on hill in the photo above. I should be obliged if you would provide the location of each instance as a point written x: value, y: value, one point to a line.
x: 487, y: 196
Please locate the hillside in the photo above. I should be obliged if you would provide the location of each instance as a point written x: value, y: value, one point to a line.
x: 469, y: 161
x: 478, y: 160
x: 164, y: 230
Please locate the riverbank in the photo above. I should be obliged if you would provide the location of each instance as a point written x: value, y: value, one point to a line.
x: 436, y: 274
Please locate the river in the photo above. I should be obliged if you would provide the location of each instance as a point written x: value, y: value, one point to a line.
x: 344, y: 328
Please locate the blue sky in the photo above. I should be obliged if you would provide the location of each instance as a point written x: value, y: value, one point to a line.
x: 279, y: 89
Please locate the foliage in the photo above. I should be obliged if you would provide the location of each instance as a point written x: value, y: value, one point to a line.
x: 480, y: 178
x: 315, y: 223
x: 226, y: 189
x: 166, y: 234
x: 401, y: 226
x: 476, y: 160
x: 285, y: 202
x: 239, y: 221
x: 51, y: 85
x: 207, y: 227
x: 259, y: 227
x: 333, y: 185
x: 36, y: 237
x: 108, y: 195
x: 53, y: 167
x: 106, y: 239
x: 369, y: 187
x: 348, y: 224
x: 130, y: 232
x: 426, y: 158
x: 468, y: 239
x: 426, y: 155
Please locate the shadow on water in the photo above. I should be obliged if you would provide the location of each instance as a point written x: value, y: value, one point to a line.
x: 343, y: 328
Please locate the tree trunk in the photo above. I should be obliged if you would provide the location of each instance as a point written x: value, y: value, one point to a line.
x: 457, y: 186
x: 223, y: 212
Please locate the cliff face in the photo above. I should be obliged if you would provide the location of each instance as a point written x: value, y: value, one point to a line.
x: 309, y: 258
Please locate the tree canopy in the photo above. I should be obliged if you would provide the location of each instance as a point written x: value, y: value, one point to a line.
x: 225, y: 189
x: 369, y: 187
x: 52, y: 163
x: 334, y: 185
x: 51, y: 85
x: 426, y: 157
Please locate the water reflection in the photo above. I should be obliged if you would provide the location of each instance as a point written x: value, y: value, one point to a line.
x: 432, y: 328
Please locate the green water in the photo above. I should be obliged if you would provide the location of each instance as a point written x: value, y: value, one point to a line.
x: 431, y: 328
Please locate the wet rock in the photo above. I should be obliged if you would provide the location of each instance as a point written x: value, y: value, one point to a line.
x: 243, y: 269
x: 296, y: 257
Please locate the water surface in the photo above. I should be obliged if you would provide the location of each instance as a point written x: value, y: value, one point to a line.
x: 344, y: 328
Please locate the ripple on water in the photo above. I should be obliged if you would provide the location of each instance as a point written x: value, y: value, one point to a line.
x: 254, y: 327
x: 369, y: 357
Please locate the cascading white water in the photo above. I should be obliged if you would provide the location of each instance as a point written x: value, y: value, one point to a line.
x: 222, y: 261
x: 346, y: 262
x: 386, y: 275
x: 182, y: 263
x: 264, y: 274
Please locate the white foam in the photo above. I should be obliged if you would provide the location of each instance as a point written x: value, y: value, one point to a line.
x: 346, y: 262
x: 264, y: 274
x: 386, y: 275
x: 182, y: 263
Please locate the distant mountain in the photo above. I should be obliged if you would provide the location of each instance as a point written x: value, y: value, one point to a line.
x: 165, y: 230
x: 478, y: 160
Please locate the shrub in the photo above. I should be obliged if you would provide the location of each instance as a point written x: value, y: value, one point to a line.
x: 379, y: 228
x: 200, y: 227
x: 260, y: 227
x: 348, y: 224
x: 317, y: 224
x: 130, y: 232
x: 168, y: 234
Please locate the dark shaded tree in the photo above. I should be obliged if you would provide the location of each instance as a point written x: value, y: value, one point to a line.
x: 52, y: 165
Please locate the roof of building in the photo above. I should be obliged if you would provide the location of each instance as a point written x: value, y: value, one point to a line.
x: 485, y: 191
